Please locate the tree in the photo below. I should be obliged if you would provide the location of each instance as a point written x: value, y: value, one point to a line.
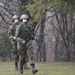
x: 64, y: 8
x: 7, y: 9
x: 59, y: 16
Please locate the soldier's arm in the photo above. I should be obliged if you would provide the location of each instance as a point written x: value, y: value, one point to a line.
x: 17, y: 33
x: 32, y: 33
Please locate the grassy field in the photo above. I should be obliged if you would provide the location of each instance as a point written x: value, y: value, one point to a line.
x: 7, y: 68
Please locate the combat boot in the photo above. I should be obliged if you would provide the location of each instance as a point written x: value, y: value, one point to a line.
x: 33, y: 68
x: 16, y: 67
x: 26, y: 66
x: 21, y: 69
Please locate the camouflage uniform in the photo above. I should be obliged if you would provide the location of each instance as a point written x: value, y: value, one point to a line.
x: 11, y: 33
x: 24, y: 32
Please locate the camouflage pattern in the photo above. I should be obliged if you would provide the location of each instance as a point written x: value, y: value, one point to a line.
x: 23, y: 32
x: 31, y: 56
x: 24, y: 16
x: 11, y: 33
x: 15, y: 17
x: 30, y: 52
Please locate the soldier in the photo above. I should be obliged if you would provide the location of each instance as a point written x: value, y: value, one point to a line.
x: 11, y: 33
x: 24, y: 35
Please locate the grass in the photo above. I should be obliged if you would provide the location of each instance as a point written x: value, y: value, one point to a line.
x: 55, y: 68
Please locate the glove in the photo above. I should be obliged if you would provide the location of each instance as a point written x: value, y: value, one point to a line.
x: 14, y: 38
x: 23, y: 41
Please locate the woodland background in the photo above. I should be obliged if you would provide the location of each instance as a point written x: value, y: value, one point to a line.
x: 53, y: 23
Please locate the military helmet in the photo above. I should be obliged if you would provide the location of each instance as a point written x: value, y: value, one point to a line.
x: 15, y: 17
x: 24, y: 16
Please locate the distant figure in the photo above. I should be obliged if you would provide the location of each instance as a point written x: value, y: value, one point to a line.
x: 12, y: 37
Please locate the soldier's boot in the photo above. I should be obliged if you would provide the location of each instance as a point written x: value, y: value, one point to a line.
x: 33, y: 68
x: 21, y: 69
x: 26, y: 66
x: 16, y: 66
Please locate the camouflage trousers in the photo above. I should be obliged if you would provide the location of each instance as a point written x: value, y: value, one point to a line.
x: 26, y: 52
x: 15, y: 51
x: 30, y: 52
x: 23, y: 57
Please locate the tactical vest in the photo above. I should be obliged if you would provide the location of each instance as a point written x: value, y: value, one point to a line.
x: 25, y: 32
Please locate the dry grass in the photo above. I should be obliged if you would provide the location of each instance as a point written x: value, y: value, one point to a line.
x: 7, y: 68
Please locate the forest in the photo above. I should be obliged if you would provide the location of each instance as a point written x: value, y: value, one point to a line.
x: 53, y: 23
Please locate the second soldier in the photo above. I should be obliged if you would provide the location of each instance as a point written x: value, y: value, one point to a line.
x: 13, y: 40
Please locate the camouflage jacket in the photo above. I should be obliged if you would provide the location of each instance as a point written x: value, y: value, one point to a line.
x: 24, y: 32
x: 12, y: 29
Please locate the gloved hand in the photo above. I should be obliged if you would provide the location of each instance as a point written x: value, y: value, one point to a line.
x: 14, y: 38
x: 23, y: 41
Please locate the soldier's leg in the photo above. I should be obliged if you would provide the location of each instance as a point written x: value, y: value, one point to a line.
x: 32, y: 63
x: 16, y: 62
x: 27, y: 59
x: 22, y: 58
x: 22, y: 61
x: 26, y: 66
x: 31, y: 58
x: 20, y: 49
x: 16, y: 56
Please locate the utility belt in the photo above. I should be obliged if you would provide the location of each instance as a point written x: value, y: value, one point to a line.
x: 19, y: 43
